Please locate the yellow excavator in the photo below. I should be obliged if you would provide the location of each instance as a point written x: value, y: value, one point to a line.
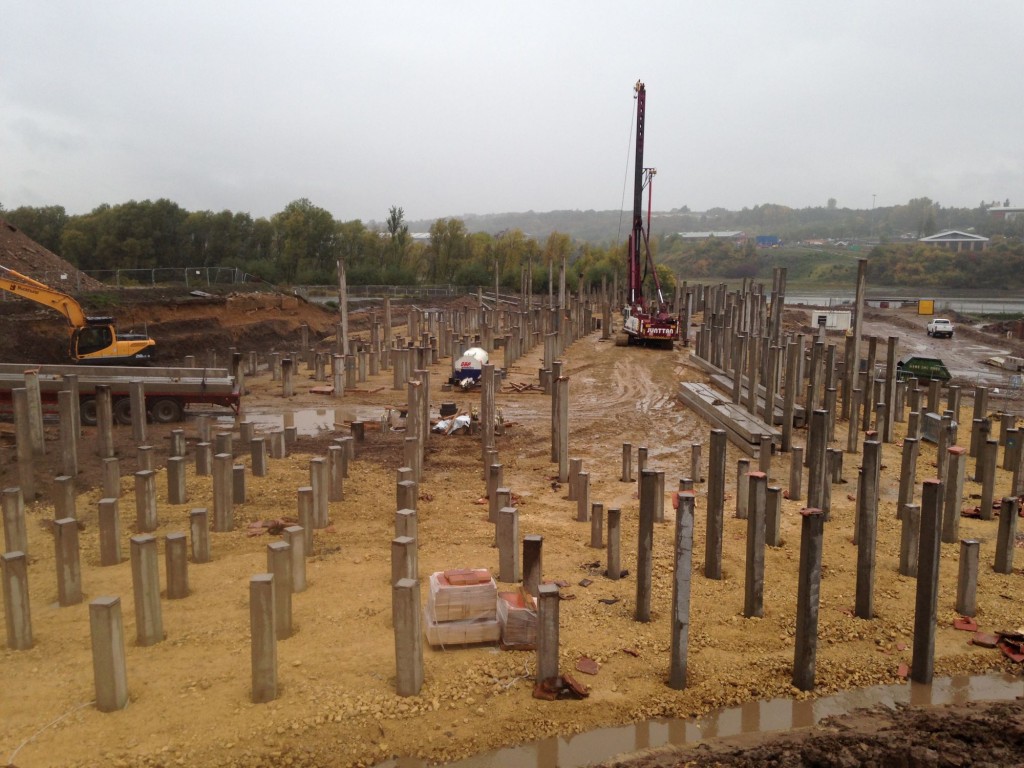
x: 93, y: 340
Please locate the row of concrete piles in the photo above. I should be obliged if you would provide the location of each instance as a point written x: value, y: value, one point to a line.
x: 741, y: 339
x: 521, y: 325
x: 519, y: 557
x: 559, y: 329
x: 214, y: 457
x: 760, y: 499
x: 757, y: 501
x: 507, y: 322
x: 524, y: 328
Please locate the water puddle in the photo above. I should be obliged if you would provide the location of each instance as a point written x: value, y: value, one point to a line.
x: 307, y: 421
x: 751, y: 717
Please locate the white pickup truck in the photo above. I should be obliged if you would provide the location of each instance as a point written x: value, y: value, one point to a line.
x: 940, y: 328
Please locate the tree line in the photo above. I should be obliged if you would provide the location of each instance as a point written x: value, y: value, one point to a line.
x: 303, y: 243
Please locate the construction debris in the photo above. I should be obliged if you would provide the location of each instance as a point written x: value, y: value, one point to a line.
x: 561, y: 687
x: 513, y: 387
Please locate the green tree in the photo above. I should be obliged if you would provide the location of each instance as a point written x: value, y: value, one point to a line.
x: 305, y: 248
x: 398, y: 245
x: 447, y: 251
x: 557, y: 247
x: 359, y: 247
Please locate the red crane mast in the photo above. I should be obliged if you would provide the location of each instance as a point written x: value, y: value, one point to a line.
x: 643, y: 323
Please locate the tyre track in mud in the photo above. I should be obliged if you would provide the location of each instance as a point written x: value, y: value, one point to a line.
x: 628, y: 394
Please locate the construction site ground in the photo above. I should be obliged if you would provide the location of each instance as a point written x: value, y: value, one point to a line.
x: 189, y: 695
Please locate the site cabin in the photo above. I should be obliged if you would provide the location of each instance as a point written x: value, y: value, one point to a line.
x: 832, y: 319
x: 168, y: 391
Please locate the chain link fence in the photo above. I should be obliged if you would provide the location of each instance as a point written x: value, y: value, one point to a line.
x: 330, y: 293
x: 189, y: 277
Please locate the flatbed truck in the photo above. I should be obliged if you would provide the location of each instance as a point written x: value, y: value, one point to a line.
x: 168, y: 391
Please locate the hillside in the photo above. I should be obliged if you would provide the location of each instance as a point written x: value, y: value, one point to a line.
x: 23, y: 254
x: 596, y: 227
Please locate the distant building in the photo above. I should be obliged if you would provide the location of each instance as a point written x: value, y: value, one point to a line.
x: 955, y: 240
x: 1005, y: 211
x: 733, y: 236
x: 768, y: 241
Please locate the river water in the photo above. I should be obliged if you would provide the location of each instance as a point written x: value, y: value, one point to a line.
x: 308, y: 422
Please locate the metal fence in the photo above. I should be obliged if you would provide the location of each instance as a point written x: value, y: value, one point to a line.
x: 200, y: 277
x: 190, y: 277
x: 313, y: 292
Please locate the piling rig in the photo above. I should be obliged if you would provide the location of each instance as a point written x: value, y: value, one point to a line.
x: 646, y: 322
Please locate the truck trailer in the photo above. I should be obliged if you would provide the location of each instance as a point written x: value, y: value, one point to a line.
x: 168, y: 391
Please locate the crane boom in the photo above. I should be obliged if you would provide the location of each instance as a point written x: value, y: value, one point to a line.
x: 636, y: 235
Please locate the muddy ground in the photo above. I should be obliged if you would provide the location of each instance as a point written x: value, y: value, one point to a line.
x: 964, y: 354
x: 190, y: 694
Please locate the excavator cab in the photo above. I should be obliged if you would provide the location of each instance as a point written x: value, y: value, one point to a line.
x: 99, y: 342
x: 91, y: 339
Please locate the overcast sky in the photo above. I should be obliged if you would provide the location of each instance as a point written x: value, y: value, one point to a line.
x: 446, y: 108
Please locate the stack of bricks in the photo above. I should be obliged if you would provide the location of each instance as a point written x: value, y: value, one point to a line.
x: 462, y: 608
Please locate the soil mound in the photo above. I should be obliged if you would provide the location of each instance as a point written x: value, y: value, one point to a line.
x: 21, y: 253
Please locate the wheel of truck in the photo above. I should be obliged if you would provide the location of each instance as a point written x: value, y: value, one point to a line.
x: 166, y: 410
x: 123, y: 410
x: 88, y: 411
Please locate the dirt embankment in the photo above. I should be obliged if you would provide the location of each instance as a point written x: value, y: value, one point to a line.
x: 184, y: 324
x: 180, y: 324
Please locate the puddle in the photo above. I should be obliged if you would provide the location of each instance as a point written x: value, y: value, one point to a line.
x: 752, y: 717
x: 307, y: 421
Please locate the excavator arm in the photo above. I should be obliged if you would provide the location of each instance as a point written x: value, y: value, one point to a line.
x: 91, y: 339
x: 33, y: 290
